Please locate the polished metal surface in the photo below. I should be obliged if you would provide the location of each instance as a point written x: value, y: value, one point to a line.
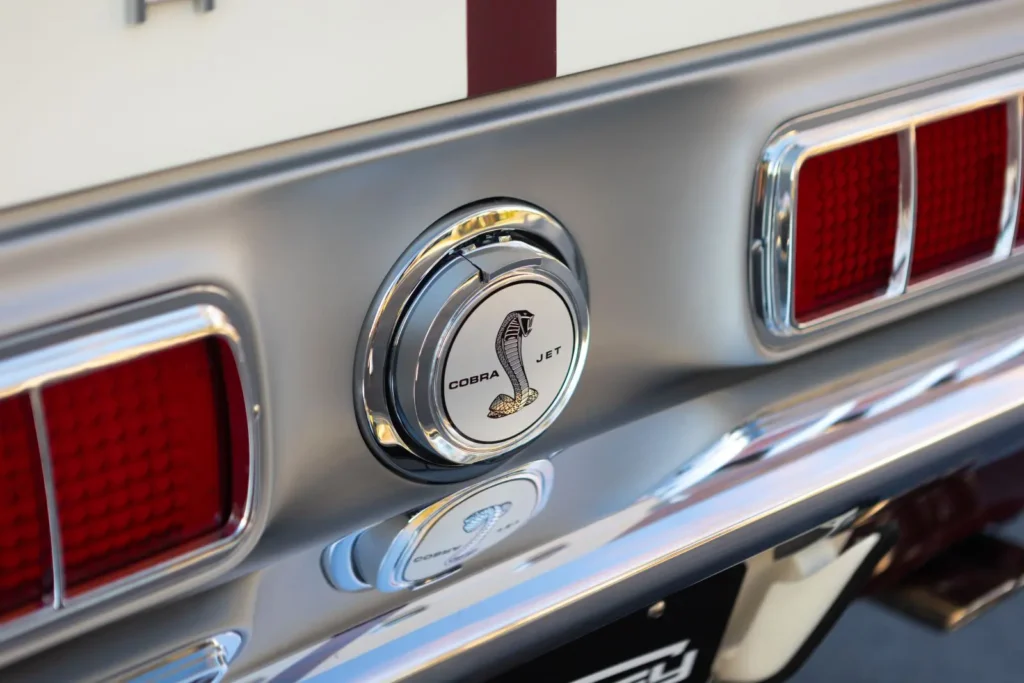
x: 437, y: 285
x: 339, y: 564
x: 907, y: 216
x: 774, y: 218
x: 834, y: 446
x: 204, y: 662
x: 115, y: 336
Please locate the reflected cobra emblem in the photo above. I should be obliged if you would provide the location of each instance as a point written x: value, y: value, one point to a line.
x: 479, y: 524
x: 509, y: 347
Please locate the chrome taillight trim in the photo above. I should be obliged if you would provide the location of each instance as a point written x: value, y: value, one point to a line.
x: 106, y: 339
x: 773, y: 247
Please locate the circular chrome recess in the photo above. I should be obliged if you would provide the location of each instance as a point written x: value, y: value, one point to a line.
x: 475, y: 342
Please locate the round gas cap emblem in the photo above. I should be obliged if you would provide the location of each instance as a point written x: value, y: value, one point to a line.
x: 476, y: 346
x: 508, y: 362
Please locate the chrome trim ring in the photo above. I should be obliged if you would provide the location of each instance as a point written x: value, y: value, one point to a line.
x: 773, y: 245
x: 30, y: 362
x: 440, y: 445
x: 420, y: 401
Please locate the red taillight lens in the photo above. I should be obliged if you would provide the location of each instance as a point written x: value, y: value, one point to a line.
x: 961, y: 168
x: 25, y: 562
x: 1020, y: 202
x: 143, y: 458
x: 846, y: 220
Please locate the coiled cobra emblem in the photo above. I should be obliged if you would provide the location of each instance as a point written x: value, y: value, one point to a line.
x: 481, y: 522
x: 509, y: 347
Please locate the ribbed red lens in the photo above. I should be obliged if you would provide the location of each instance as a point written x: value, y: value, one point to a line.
x: 25, y: 562
x: 961, y: 169
x: 846, y: 219
x: 143, y: 458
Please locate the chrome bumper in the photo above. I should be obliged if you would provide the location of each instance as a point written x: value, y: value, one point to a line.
x: 785, y: 471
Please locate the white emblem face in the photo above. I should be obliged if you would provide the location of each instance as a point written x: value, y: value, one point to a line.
x: 508, y: 362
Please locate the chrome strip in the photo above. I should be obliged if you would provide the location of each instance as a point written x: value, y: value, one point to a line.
x: 782, y: 472
x: 907, y: 222
x: 773, y: 219
x: 145, y: 333
x: 204, y: 662
x: 1011, y: 197
x: 1019, y: 199
x: 50, y: 491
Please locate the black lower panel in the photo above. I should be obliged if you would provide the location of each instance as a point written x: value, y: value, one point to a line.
x: 670, y: 641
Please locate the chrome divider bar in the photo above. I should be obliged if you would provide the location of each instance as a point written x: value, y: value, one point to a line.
x: 1011, y: 198
x: 907, y: 217
x: 773, y: 477
x: 50, y: 490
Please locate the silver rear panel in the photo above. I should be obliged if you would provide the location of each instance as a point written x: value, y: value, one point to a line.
x: 650, y: 166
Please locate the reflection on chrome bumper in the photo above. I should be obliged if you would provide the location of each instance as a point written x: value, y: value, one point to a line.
x: 780, y: 474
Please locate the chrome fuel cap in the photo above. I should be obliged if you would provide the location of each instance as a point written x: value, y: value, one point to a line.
x: 484, y: 339
x: 484, y: 358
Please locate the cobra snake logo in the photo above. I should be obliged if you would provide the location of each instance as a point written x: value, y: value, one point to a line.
x: 509, y: 347
x: 481, y: 522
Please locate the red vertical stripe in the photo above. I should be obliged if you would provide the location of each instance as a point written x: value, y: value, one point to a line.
x: 509, y: 43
